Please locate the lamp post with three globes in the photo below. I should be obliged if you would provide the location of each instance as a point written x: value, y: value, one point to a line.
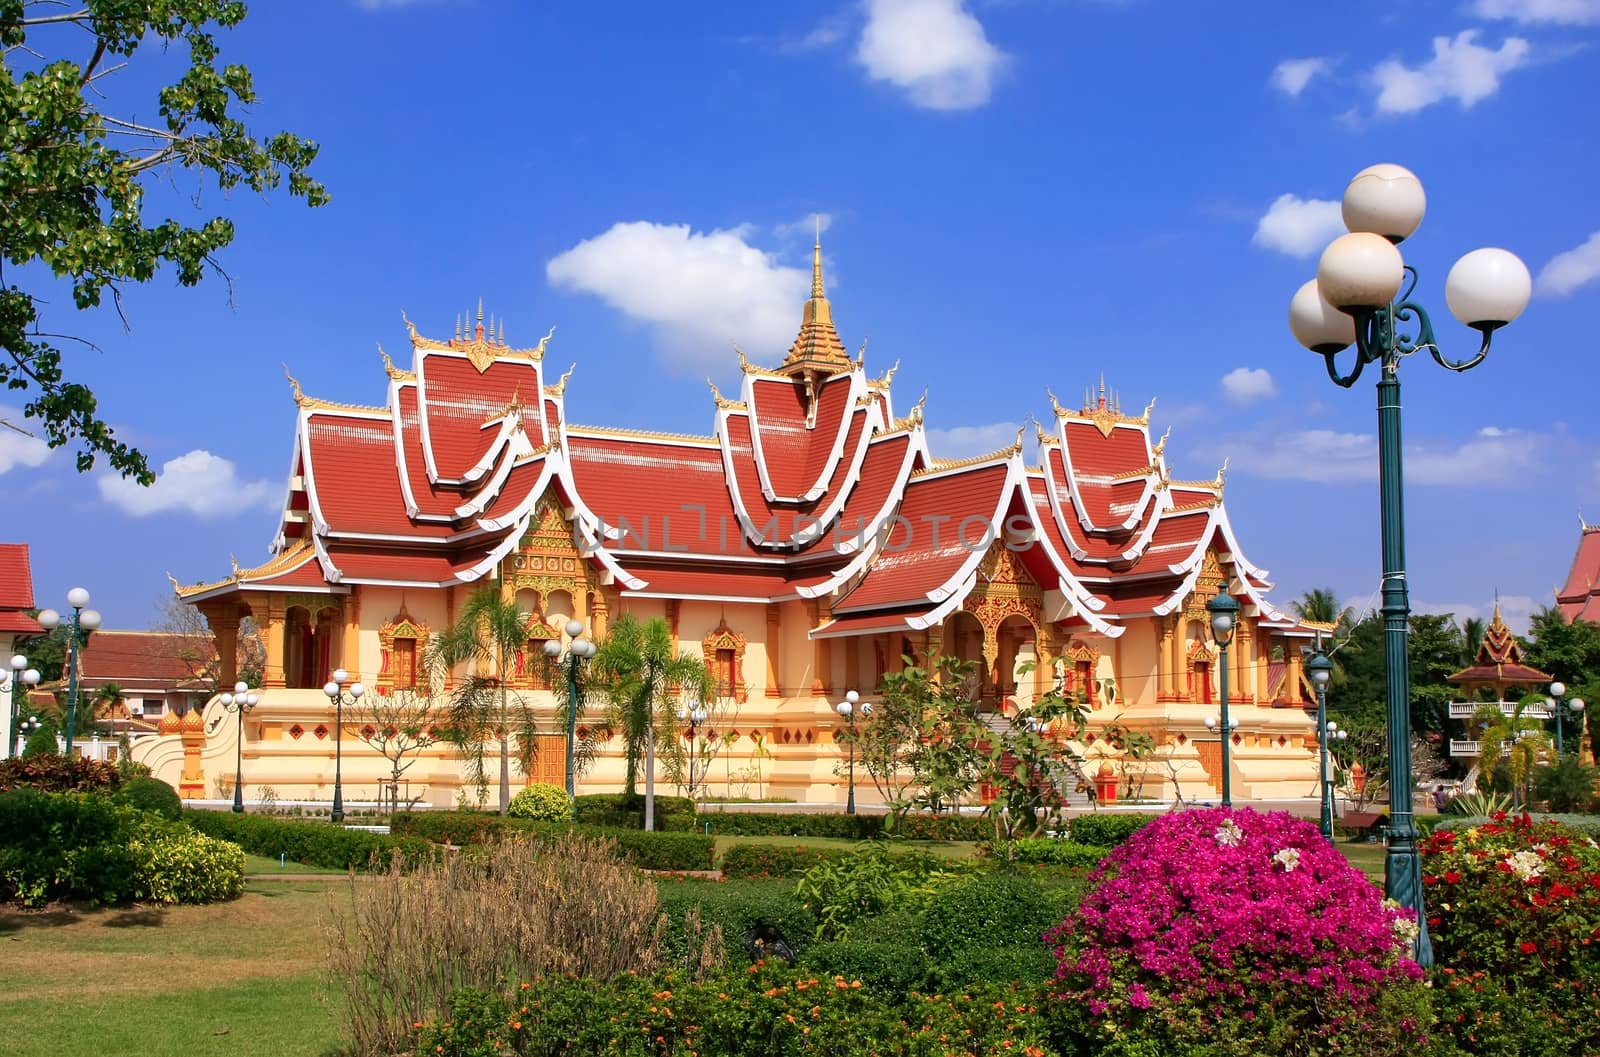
x: 22, y: 678
x: 849, y: 708
x: 83, y: 620
x: 578, y: 650
x: 1560, y: 708
x: 240, y: 701
x: 1356, y: 299
x: 337, y: 696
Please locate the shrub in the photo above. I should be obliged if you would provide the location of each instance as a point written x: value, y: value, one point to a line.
x: 869, y: 882
x: 1046, y: 851
x: 182, y: 866
x: 977, y: 963
x: 621, y: 811
x: 87, y: 846
x: 939, y: 827
x: 310, y: 842
x: 775, y: 860
x: 543, y: 803
x: 735, y: 907
x: 152, y: 795
x: 57, y: 774
x: 1242, y: 932
x: 1478, y: 803
x: 1107, y: 830
x: 648, y: 851
x: 893, y: 967
x: 1516, y: 902
x: 519, y: 910
x: 771, y: 1012
x: 1004, y: 909
x: 1568, y: 785
x: 42, y: 742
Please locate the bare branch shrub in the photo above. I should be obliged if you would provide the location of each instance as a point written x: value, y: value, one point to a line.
x: 518, y: 910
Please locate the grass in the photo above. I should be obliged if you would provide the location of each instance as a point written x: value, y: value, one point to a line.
x: 233, y: 978
x: 1368, y: 858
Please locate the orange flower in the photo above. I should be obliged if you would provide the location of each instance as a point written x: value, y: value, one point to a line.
x: 855, y: 985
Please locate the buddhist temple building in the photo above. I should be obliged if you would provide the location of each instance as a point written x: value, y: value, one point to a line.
x: 806, y: 545
x: 1496, y: 673
x: 1580, y: 598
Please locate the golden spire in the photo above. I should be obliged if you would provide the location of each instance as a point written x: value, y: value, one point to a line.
x: 458, y: 326
x: 818, y: 344
x: 817, y: 291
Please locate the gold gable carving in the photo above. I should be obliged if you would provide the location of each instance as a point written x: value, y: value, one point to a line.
x: 1206, y: 586
x: 725, y: 638
x: 403, y: 626
x: 546, y: 559
x: 1004, y: 589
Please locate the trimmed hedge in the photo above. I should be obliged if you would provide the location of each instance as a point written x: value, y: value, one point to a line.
x: 988, y: 910
x: 1048, y: 852
x: 312, y: 843
x: 941, y: 827
x: 649, y: 851
x: 775, y: 860
x: 1107, y: 830
x: 847, y: 827
x: 153, y: 795
x: 886, y: 966
x: 621, y: 811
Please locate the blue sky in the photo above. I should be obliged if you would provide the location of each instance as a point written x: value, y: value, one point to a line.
x: 1017, y: 194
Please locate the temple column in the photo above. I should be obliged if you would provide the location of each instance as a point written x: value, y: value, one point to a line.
x: 774, y: 636
x: 674, y: 608
x: 599, y: 615
x: 1264, y: 668
x: 1291, y: 686
x: 1241, y: 658
x: 1178, y: 662
x: 224, y: 621
x: 350, y: 647
x: 932, y: 647
x: 852, y: 663
x: 272, y: 674
x: 822, y: 651
x: 1166, y: 673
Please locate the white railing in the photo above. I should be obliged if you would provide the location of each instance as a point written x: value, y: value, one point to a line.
x: 1468, y: 709
x: 1465, y: 748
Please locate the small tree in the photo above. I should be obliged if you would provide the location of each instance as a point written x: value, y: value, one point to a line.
x: 401, y: 726
x: 1510, y: 747
x: 491, y: 631
x: 1368, y: 746
x: 189, y: 641
x: 888, y: 739
x: 948, y: 760
x: 1024, y: 761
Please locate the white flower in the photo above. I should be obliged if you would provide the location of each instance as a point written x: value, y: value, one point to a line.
x: 1405, y: 934
x: 1229, y: 835
x: 1526, y: 865
x: 1288, y: 858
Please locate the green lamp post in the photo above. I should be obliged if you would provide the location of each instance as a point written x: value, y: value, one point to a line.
x: 578, y: 650
x: 1561, y: 710
x: 1356, y: 299
x: 1224, y: 610
x: 1319, y: 669
x: 82, y: 621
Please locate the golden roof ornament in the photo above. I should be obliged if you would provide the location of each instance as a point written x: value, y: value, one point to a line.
x: 1161, y: 445
x: 1055, y: 404
x: 817, y: 345
x: 560, y: 385
x: 294, y: 387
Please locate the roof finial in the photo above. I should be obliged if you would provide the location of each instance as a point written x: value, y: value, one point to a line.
x: 1102, y: 390
x: 502, y: 338
x: 1055, y: 405
x: 817, y: 292
x: 294, y: 386
x: 480, y: 308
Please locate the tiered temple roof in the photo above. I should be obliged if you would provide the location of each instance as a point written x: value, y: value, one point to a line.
x: 808, y: 487
x: 1499, y: 661
x: 1580, y: 598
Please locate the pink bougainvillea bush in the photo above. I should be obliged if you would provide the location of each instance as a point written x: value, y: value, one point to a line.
x: 1224, y: 931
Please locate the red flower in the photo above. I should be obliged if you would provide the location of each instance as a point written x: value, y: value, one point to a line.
x: 1529, y: 947
x: 1452, y: 878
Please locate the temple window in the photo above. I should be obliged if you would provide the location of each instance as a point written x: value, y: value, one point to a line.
x: 404, y: 663
x: 1202, y: 682
x: 537, y: 666
x: 727, y: 679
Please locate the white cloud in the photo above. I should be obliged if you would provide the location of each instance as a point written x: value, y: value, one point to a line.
x: 1567, y: 271
x: 807, y: 226
x: 1516, y: 610
x: 197, y: 483
x: 1292, y: 75
x: 1246, y: 385
x: 934, y: 50
x: 827, y: 32
x: 1299, y: 226
x: 963, y: 442
x: 1459, y: 70
x: 697, y: 291
x: 1561, y: 12
x: 19, y: 449
x: 1491, y: 456
x: 387, y: 5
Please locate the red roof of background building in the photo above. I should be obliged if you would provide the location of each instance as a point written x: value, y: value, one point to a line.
x: 16, y: 590
x: 143, y: 660
x: 1579, y: 599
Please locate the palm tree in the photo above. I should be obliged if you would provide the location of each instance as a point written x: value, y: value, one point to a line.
x: 491, y: 630
x: 1320, y: 606
x: 1472, y: 630
x: 1509, y: 747
x: 641, y: 673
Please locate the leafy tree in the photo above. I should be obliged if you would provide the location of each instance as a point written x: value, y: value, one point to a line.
x: 490, y: 633
x: 643, y: 676
x: 73, y: 179
x: 189, y: 641
x: 1435, y: 646
x: 1570, y: 652
x: 107, y: 698
x: 948, y: 760
x: 889, y: 738
x: 1036, y: 742
x: 42, y: 742
x: 1567, y: 785
x: 400, y: 725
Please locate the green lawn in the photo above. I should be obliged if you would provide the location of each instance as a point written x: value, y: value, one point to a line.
x: 232, y: 978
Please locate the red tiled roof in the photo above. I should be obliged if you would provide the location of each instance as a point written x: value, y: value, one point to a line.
x: 1579, y: 599
x: 913, y: 562
x: 870, y: 623
x: 142, y: 660
x: 1496, y: 674
x: 364, y: 563
x: 16, y: 577
x: 353, y: 475
x: 430, y: 499
x: 756, y: 582
x: 458, y: 401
